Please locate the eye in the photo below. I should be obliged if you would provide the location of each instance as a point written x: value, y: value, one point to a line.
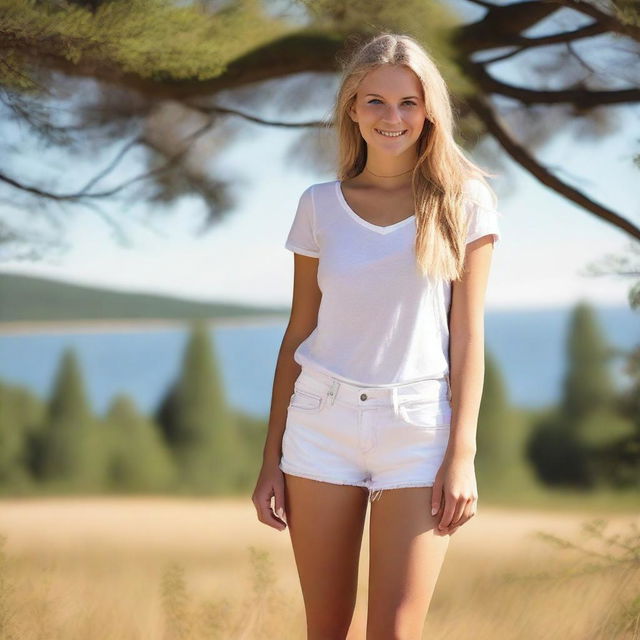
x: 411, y: 102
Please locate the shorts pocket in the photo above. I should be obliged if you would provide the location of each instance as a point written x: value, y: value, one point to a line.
x: 426, y: 414
x: 307, y: 401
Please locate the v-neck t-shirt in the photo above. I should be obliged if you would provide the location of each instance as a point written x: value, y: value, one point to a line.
x: 380, y: 321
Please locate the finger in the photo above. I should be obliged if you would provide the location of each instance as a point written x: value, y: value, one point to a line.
x: 449, y: 507
x: 436, y: 497
x: 259, y: 499
x: 268, y: 517
x: 265, y: 512
x: 276, y: 513
x: 469, y: 510
x: 467, y: 514
x: 279, y: 506
x: 458, y: 512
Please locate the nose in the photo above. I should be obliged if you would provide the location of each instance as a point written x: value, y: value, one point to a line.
x: 392, y: 114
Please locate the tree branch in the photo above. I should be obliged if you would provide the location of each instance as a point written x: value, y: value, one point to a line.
x: 579, y: 97
x: 522, y: 156
x: 209, y: 109
x: 271, y: 123
x: 83, y: 194
x: 523, y: 43
x: 302, y: 52
x: 611, y: 23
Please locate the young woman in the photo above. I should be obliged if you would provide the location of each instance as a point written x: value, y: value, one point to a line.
x: 384, y: 350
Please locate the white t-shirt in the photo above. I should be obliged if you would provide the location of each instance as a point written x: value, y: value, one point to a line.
x: 380, y: 321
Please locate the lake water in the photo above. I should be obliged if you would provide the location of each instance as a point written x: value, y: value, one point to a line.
x: 529, y: 347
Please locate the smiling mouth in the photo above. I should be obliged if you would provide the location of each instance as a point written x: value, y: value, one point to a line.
x: 391, y: 134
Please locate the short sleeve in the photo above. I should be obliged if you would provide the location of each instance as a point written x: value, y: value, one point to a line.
x: 302, y: 235
x: 482, y: 212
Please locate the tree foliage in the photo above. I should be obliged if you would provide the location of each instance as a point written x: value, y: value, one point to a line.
x: 71, y: 445
x: 139, y: 459
x: 582, y: 442
x: 197, y: 423
x: 172, y: 85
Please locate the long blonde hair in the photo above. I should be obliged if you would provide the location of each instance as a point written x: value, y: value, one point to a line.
x: 442, y: 169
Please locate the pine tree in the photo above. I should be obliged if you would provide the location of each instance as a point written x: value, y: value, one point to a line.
x: 624, y: 454
x: 197, y: 423
x: 21, y: 418
x: 567, y: 446
x: 500, y: 462
x: 72, y: 450
x: 13, y: 444
x: 587, y: 384
x: 138, y: 459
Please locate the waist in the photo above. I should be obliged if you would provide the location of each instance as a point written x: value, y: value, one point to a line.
x: 428, y: 389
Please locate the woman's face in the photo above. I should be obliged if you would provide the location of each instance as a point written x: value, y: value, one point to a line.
x: 389, y: 100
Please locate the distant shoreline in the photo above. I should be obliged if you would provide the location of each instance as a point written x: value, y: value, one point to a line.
x: 134, y: 324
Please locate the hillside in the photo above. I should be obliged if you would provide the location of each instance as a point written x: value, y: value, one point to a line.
x: 31, y: 299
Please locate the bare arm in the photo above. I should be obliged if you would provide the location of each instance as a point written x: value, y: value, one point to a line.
x: 455, y: 491
x: 303, y: 320
x: 466, y: 348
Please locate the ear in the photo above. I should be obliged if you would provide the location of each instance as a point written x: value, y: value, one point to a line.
x: 352, y: 112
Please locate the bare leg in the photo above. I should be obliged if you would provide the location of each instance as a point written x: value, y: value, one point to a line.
x: 405, y: 561
x: 326, y: 523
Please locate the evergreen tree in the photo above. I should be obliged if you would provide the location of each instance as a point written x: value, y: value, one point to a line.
x: 567, y: 445
x: 556, y: 455
x: 197, y: 423
x: 139, y: 459
x: 590, y: 406
x: 21, y: 419
x: 500, y: 462
x: 72, y: 454
x: 587, y: 385
x: 627, y: 471
x: 13, y: 441
x: 620, y: 458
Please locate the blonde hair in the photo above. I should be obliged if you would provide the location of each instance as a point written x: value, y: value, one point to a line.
x: 442, y: 168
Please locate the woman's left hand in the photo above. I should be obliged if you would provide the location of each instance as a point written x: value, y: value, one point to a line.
x: 455, y: 493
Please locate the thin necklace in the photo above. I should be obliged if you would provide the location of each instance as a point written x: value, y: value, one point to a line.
x: 377, y: 176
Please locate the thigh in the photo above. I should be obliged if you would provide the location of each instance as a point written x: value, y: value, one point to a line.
x: 326, y: 523
x: 405, y: 561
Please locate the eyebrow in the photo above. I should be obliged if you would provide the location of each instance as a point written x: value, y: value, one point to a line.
x: 405, y: 98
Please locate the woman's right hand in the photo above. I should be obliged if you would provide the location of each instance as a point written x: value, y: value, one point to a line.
x: 270, y: 484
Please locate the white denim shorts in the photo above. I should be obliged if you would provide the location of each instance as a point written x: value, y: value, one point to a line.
x: 372, y: 437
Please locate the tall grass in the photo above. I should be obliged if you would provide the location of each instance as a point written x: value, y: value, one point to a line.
x: 580, y: 587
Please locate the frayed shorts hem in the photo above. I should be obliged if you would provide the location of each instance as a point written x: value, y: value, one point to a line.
x: 403, y: 485
x: 320, y: 478
x: 374, y: 491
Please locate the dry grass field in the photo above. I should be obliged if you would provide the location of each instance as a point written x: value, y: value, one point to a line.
x: 175, y: 569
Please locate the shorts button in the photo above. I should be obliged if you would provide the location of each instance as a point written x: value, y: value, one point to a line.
x: 363, y: 396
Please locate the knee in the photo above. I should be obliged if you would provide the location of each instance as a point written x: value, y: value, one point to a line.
x: 327, y: 630
x: 327, y: 634
x: 396, y: 632
x: 400, y: 635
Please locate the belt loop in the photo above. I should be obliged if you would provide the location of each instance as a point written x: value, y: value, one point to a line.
x: 333, y: 390
x: 394, y: 399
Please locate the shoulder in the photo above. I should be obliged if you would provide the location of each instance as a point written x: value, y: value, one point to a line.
x: 478, y: 193
x: 319, y: 189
